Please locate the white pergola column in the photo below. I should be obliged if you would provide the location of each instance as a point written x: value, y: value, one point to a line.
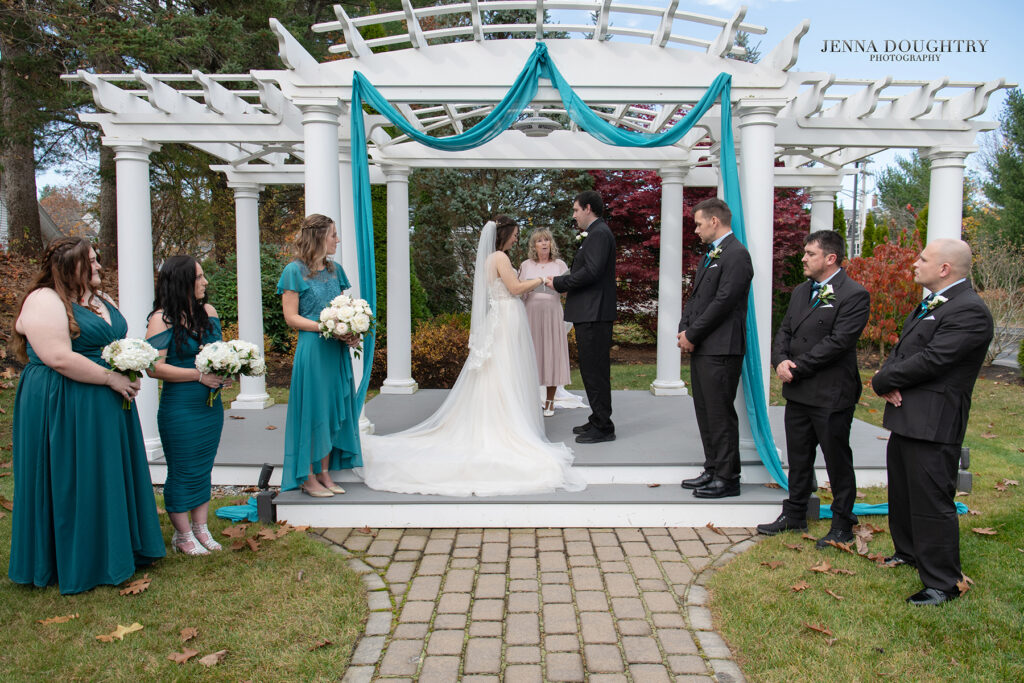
x: 399, y: 379
x: 253, y: 390
x: 946, y: 193
x: 670, y: 284
x: 320, y: 142
x: 135, y: 264
x: 757, y: 183
x: 822, y: 207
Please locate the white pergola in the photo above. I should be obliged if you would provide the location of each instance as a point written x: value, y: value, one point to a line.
x: 291, y: 126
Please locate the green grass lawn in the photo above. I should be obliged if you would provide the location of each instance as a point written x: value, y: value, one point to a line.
x: 268, y: 609
x: 875, y: 634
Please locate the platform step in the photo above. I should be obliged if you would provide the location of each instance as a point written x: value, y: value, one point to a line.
x: 615, y: 505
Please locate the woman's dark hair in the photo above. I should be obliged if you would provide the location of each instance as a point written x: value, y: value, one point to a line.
x: 504, y: 228
x: 65, y: 269
x: 176, y: 297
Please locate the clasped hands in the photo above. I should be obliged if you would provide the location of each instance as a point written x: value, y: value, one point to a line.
x: 549, y: 282
x: 213, y: 381
x: 683, y: 343
x: 122, y: 385
x: 352, y: 339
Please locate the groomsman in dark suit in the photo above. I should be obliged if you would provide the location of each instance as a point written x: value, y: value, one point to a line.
x: 590, y: 307
x: 927, y: 383
x: 815, y: 356
x: 713, y: 331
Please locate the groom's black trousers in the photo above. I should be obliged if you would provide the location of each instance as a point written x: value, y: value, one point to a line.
x: 594, y: 343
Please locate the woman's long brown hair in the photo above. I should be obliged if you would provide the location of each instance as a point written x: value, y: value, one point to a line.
x: 66, y: 270
x: 309, y: 245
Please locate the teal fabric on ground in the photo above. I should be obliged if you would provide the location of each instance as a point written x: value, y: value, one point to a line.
x: 539, y: 65
x: 84, y: 512
x: 879, y: 509
x: 239, y: 513
x: 190, y: 430
x: 323, y: 414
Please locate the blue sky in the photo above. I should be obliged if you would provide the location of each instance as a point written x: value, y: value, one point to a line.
x: 996, y: 21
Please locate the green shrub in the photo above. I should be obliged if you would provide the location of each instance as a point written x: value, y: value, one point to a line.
x: 631, y: 332
x: 223, y: 293
x: 1020, y: 359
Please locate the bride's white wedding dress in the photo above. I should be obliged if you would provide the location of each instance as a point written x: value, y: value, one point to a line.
x: 487, y: 438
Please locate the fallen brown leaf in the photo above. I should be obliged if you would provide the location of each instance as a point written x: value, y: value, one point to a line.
x: 800, y: 586
x: 772, y: 485
x: 57, y: 620
x: 877, y: 557
x: 964, y: 584
x: 882, y: 438
x: 985, y: 531
x: 973, y: 513
x: 7, y: 504
x: 267, y: 534
x: 137, y: 586
x: 715, y: 529
x: 284, y: 529
x: 237, y: 417
x: 834, y: 595
x: 653, y: 486
x: 188, y: 634
x: 319, y: 644
x: 876, y: 529
x: 119, y: 633
x: 186, y: 654
x: 831, y: 641
x: 999, y: 486
x: 847, y: 572
x: 253, y: 545
x: 233, y: 532
x: 845, y: 547
x: 304, y: 527
x: 214, y: 659
x: 820, y: 628
x: 794, y: 546
x: 775, y: 564
x: 989, y: 435
x: 238, y: 545
x: 5, y: 474
x: 365, y: 530
x: 270, y: 427
x: 1011, y: 482
x: 808, y: 537
x: 822, y: 567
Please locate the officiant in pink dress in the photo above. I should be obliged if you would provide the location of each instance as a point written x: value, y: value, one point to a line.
x: 544, y: 313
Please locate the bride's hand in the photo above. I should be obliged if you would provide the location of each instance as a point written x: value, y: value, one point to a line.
x: 352, y: 339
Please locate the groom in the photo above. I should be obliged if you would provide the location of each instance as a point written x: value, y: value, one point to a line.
x: 590, y: 306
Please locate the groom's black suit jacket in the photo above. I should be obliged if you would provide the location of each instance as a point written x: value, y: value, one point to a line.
x: 822, y: 341
x: 715, y: 315
x: 590, y: 282
x: 934, y: 366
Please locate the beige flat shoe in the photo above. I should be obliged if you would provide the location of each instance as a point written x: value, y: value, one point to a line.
x: 317, y: 494
x: 334, y: 488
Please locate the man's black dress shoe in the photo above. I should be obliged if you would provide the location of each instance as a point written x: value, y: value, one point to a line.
x: 783, y: 523
x: 931, y: 596
x: 718, y: 488
x: 582, y: 429
x: 896, y: 561
x: 594, y: 436
x: 837, y: 535
x: 703, y: 480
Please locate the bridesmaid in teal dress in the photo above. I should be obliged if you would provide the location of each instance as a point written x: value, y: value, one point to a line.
x: 322, y: 429
x: 182, y: 322
x: 84, y: 512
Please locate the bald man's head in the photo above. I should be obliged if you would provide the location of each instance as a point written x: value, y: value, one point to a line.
x: 941, y: 263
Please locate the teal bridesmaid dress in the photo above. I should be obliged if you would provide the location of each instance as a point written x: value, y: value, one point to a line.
x: 189, y: 429
x: 322, y: 413
x: 84, y: 512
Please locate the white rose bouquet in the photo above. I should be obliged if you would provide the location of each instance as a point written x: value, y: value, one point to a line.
x: 218, y: 358
x: 252, y: 361
x: 346, y: 315
x: 129, y: 357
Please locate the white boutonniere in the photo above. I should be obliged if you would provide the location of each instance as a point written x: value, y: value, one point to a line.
x: 826, y: 294
x: 580, y: 237
x: 936, y: 301
x: 715, y: 253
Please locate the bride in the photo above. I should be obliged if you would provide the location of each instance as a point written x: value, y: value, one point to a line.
x: 487, y: 438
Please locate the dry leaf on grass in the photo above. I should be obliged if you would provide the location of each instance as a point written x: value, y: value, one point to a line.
x: 285, y: 528
x: 822, y: 567
x: 233, y: 531
x: 119, y: 633
x: 775, y: 564
x: 714, y: 528
x: 238, y: 545
x: 304, y: 527
x: 808, y: 537
x: 5, y: 474
x: 214, y: 659
x: 985, y: 531
x: 845, y: 547
x: 847, y: 572
x: 188, y: 634
x: 7, y: 504
x: 973, y: 513
x: 253, y: 545
x: 237, y: 417
x: 267, y: 534
x: 820, y: 628
x: 877, y: 557
x: 837, y: 596
x: 876, y: 529
x: 319, y: 644
x: 794, y: 546
x: 800, y: 586
x: 186, y: 654
x: 1000, y: 486
x: 989, y: 435
x: 1010, y: 482
x: 964, y: 584
x: 57, y: 620
x: 137, y: 586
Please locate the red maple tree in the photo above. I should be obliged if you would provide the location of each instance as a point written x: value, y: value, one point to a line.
x: 888, y: 275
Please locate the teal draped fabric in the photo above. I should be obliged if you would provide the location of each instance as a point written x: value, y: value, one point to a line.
x: 879, y: 509
x: 522, y: 92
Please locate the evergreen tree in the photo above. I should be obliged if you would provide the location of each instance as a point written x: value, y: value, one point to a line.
x: 838, y: 219
x: 872, y: 236
x: 1005, y: 185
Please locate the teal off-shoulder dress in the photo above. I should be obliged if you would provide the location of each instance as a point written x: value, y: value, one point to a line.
x: 189, y: 429
x: 84, y: 512
x: 322, y: 413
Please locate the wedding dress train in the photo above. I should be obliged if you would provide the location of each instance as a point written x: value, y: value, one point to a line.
x: 487, y: 438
